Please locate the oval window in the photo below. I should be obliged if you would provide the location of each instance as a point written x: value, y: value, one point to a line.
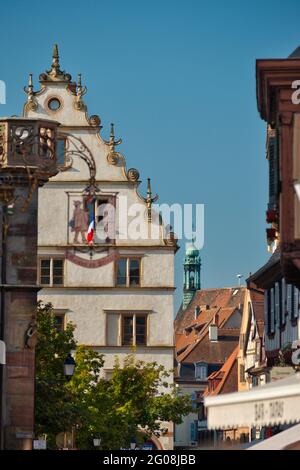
x: 54, y: 104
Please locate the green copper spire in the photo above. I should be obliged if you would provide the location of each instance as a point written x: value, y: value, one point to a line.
x: 192, y: 267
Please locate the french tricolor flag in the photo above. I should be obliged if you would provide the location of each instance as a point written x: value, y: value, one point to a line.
x: 90, y: 233
x: 91, y: 229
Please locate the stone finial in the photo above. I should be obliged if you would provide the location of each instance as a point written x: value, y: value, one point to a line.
x: 80, y: 92
x: 31, y: 103
x: 149, y: 199
x: 55, y: 74
x: 113, y: 156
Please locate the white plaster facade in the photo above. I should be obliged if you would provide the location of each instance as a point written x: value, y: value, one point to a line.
x: 89, y: 296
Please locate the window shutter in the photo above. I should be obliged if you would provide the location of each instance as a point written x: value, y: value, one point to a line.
x: 267, y: 312
x: 277, y: 304
x: 295, y: 311
x: 193, y: 398
x: 194, y: 431
x: 289, y: 300
x: 283, y: 301
x: 272, y: 312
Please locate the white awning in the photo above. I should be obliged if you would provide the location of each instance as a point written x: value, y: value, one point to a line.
x: 267, y: 405
x: 280, y: 441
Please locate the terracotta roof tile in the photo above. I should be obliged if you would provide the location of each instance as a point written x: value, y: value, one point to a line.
x: 214, y: 298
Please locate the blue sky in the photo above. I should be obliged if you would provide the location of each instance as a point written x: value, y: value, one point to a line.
x: 178, y: 80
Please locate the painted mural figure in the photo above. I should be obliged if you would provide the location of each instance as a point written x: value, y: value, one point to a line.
x: 79, y: 223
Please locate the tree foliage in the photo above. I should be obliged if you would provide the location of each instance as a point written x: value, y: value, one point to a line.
x: 134, y: 403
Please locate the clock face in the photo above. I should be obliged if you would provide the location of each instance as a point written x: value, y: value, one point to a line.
x: 54, y: 104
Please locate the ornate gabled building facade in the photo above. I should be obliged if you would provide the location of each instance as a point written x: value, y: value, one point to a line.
x: 116, y: 288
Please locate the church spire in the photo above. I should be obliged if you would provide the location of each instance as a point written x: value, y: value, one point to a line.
x: 192, y: 268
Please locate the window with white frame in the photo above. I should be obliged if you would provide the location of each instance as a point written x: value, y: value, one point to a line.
x: 134, y: 330
x: 51, y: 271
x: 126, y: 329
x: 128, y: 272
x: 200, y: 371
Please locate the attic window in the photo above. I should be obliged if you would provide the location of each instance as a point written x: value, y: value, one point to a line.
x: 54, y: 104
x: 200, y: 370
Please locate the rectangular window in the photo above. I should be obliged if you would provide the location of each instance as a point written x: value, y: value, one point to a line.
x: 134, y: 272
x: 122, y: 272
x: 60, y: 151
x: 140, y: 330
x: 127, y: 339
x: 51, y: 272
x: 242, y: 373
x: 58, y: 272
x: 128, y: 272
x: 59, y: 321
x: 200, y: 371
x: 134, y: 330
x: 257, y: 350
x: 45, y: 271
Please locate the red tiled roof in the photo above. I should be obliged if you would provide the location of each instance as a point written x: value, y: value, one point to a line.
x: 198, y: 340
x: 192, y: 334
x: 205, y: 350
x: 227, y: 297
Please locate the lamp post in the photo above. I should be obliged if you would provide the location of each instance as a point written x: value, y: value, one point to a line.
x: 69, y: 366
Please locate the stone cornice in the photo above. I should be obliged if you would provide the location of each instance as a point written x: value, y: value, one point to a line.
x: 128, y: 290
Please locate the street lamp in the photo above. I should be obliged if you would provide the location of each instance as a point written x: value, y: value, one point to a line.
x: 69, y: 366
x: 97, y: 441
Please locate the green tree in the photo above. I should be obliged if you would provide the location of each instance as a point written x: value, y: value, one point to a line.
x: 133, y: 404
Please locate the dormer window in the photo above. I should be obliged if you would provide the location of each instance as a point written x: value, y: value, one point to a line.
x: 200, y: 370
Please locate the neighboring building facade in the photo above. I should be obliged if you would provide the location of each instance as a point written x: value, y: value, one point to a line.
x: 223, y: 381
x: 278, y: 104
x: 252, y: 363
x: 206, y: 334
x: 27, y: 161
x: 117, y: 290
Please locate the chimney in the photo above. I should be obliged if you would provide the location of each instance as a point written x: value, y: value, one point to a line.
x: 197, y: 311
x: 213, y: 329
